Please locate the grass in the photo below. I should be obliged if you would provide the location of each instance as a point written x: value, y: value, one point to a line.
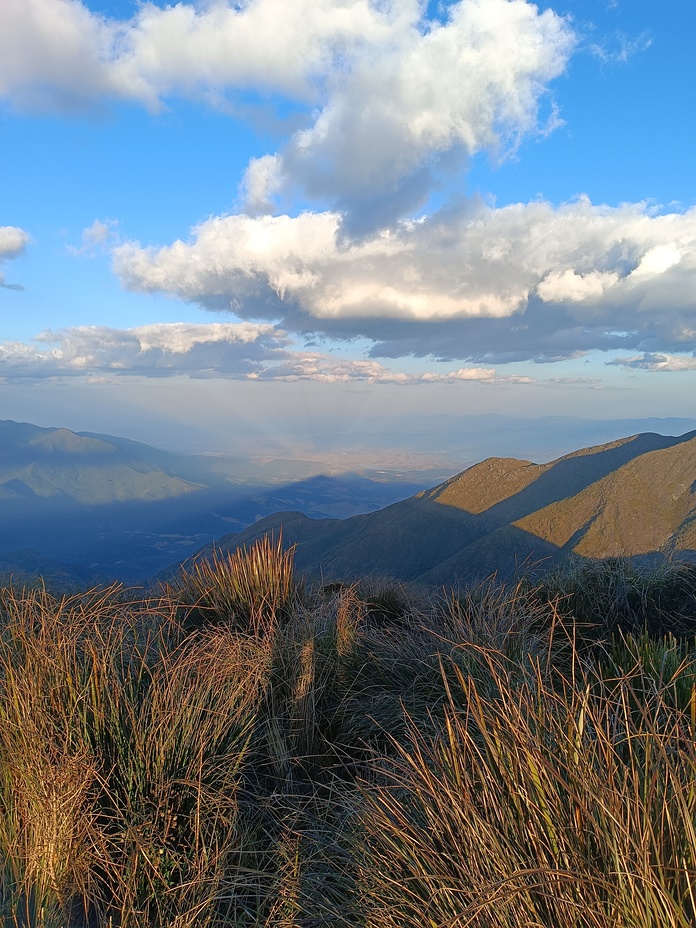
x: 241, y: 750
x: 550, y: 805
x: 615, y: 594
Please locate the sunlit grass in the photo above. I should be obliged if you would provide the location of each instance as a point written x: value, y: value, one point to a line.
x: 240, y: 750
x: 555, y: 805
x: 247, y: 589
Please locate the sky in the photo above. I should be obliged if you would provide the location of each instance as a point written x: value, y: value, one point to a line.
x: 221, y: 220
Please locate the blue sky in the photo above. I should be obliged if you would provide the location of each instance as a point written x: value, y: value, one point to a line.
x: 286, y: 211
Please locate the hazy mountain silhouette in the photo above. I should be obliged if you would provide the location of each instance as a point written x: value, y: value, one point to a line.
x: 41, y: 462
x: 633, y: 497
x: 24, y: 566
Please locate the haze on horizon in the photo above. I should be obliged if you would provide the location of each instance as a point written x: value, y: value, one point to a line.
x: 258, y: 222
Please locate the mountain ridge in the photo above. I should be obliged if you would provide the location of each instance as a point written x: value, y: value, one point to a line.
x: 632, y: 497
x: 55, y: 462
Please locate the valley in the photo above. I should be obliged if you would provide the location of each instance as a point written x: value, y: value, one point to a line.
x: 79, y: 508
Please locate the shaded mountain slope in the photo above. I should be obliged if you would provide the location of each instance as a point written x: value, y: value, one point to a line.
x: 631, y: 497
x: 504, y: 552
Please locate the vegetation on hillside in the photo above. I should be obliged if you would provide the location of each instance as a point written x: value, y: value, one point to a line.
x: 245, y: 750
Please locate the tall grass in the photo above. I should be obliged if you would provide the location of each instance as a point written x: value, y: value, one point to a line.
x: 248, y: 589
x: 240, y: 750
x: 616, y: 594
x: 120, y: 752
x: 553, y: 805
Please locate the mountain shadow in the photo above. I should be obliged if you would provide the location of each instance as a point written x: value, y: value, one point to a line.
x: 124, y: 510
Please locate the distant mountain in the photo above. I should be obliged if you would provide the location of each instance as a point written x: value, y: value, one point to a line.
x: 24, y: 567
x: 632, y: 497
x: 120, y: 509
x: 41, y: 462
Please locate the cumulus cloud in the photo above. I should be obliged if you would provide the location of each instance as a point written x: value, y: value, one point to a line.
x: 473, y: 82
x: 471, y: 283
x: 13, y: 242
x: 53, y: 50
x: 392, y: 103
x: 391, y: 96
x: 54, y: 53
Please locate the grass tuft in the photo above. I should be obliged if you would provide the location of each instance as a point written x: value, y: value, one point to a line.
x: 249, y: 588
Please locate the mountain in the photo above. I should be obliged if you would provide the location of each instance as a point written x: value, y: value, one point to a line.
x: 24, y: 567
x: 121, y: 509
x: 632, y: 497
x: 45, y: 462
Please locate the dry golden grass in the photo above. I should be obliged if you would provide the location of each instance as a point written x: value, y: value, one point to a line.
x: 566, y: 804
x: 295, y: 758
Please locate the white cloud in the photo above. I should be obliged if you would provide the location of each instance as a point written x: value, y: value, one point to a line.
x: 97, y: 237
x: 54, y: 53
x: 13, y: 242
x: 265, y: 44
x: 158, y: 350
x: 392, y: 102
x: 262, y: 180
x: 391, y: 97
x: 324, y: 368
x: 542, y: 281
x: 473, y: 82
x: 657, y: 260
x: 238, y: 351
x: 569, y: 286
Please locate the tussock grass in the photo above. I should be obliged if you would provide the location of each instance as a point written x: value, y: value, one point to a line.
x: 249, y: 589
x: 616, y: 594
x: 554, y: 805
x: 120, y: 750
x: 241, y: 750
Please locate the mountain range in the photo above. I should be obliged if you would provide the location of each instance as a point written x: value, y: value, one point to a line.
x: 633, y: 497
x: 38, y: 463
x: 85, y: 507
x: 81, y: 506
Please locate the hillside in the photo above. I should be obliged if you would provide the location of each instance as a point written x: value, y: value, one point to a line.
x: 119, y: 509
x: 632, y: 497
